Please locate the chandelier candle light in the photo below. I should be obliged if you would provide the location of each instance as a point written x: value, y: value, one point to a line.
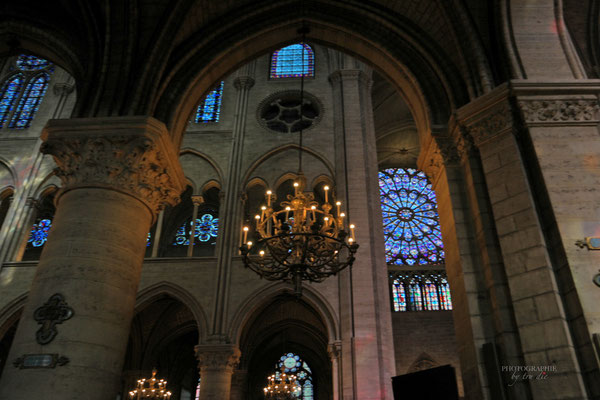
x: 303, y: 240
x: 152, y: 388
x: 281, y: 386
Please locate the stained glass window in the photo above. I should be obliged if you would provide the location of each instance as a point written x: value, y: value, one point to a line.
x: 427, y: 291
x: 410, y: 218
x: 210, y: 108
x: 292, y: 363
x: 22, y: 93
x: 149, y: 240
x: 30, y: 102
x: 207, y: 227
x: 10, y: 94
x: 31, y: 63
x: 39, y: 232
x: 293, y: 61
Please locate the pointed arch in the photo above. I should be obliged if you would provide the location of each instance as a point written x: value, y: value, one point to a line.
x: 260, y: 298
x: 30, y: 101
x: 9, y: 96
x: 11, y: 313
x: 147, y: 295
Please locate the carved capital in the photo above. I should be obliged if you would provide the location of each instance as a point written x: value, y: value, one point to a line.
x: 133, y: 155
x: 491, y: 123
x: 219, y: 357
x: 63, y: 89
x: 350, y: 74
x: 243, y: 82
x: 334, y: 350
x: 197, y: 200
x: 562, y: 110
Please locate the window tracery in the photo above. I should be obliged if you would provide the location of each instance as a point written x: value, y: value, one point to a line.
x: 293, y: 61
x: 210, y: 108
x: 410, y: 218
x: 206, y: 228
x: 22, y: 92
x: 292, y: 363
x: 427, y: 291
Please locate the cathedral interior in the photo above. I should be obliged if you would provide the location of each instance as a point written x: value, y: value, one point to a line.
x: 147, y: 149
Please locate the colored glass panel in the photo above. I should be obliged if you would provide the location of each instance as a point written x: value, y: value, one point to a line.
x: 399, y: 296
x: 293, y: 61
x: 445, y: 298
x: 10, y: 95
x: 30, y: 102
x: 39, y: 232
x: 148, y: 239
x: 292, y: 363
x: 431, y: 297
x: 410, y: 218
x: 31, y: 63
x: 207, y: 227
x: 421, y: 291
x: 210, y: 108
x: 416, y: 300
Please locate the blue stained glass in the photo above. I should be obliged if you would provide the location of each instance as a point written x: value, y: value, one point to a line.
x: 399, y: 296
x: 292, y: 363
x: 148, y: 239
x: 410, y: 218
x: 10, y: 93
x: 431, y: 297
x: 210, y: 108
x: 415, y: 297
x: 31, y: 63
x: 39, y: 232
x: 421, y: 291
x: 445, y: 298
x: 30, y: 101
x: 293, y: 61
x: 207, y: 227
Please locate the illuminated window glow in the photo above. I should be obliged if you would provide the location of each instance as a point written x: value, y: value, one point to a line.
x: 21, y: 94
x: 292, y: 363
x: 293, y: 61
x: 428, y: 291
x: 210, y: 108
x: 39, y: 232
x: 207, y: 227
x: 410, y: 218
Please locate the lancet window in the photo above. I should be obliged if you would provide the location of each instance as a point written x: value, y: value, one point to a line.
x: 210, y: 108
x: 293, y: 61
x: 421, y: 291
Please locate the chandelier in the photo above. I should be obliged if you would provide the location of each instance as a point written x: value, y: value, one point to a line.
x: 302, y: 240
x: 152, y: 388
x: 281, y: 386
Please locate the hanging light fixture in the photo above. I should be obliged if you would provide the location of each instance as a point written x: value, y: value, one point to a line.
x: 304, y: 240
x: 281, y: 386
x: 150, y: 389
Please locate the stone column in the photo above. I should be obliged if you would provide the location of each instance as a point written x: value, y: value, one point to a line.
x: 157, y: 234
x: 216, y: 364
x: 197, y: 200
x: 239, y: 384
x: 335, y: 352
x: 116, y: 173
x: 366, y: 326
x: 230, y: 213
x: 541, y: 321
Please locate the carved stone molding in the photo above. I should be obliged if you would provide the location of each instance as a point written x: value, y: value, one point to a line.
x: 54, y: 311
x: 63, y: 89
x: 335, y: 350
x: 492, y: 123
x: 350, y: 74
x: 243, y: 82
x: 223, y: 357
x: 549, y: 111
x: 133, y: 155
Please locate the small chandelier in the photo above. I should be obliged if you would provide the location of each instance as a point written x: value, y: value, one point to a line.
x: 281, y: 386
x: 303, y: 240
x: 152, y: 388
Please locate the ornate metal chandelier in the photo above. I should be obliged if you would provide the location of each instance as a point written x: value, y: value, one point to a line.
x: 303, y: 240
x: 151, y: 388
x: 281, y: 386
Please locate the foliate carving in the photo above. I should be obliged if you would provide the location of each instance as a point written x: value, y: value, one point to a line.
x: 448, y: 151
x: 132, y: 163
x: 559, y: 110
x: 490, y: 125
x: 335, y: 350
x: 243, y: 82
x: 54, y: 311
x: 217, y: 357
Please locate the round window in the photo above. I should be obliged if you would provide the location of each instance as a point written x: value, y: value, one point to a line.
x: 281, y: 111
